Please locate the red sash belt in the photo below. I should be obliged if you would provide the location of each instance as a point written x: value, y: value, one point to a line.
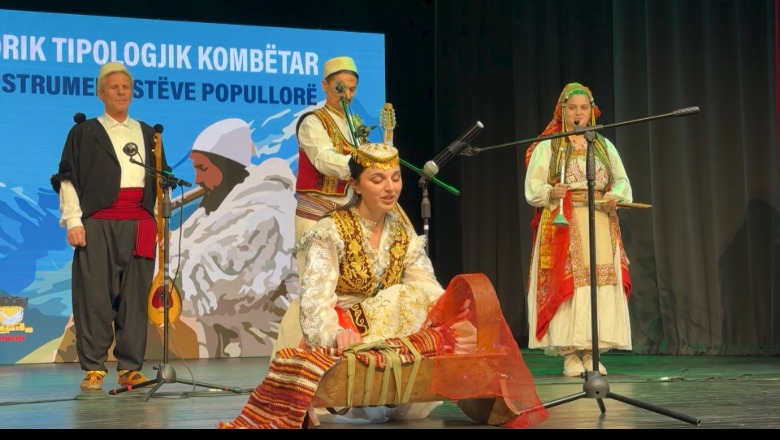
x: 128, y: 206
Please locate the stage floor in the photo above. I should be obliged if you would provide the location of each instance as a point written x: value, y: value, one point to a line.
x: 667, y: 392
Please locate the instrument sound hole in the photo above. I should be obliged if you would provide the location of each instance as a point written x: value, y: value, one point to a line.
x: 158, y: 300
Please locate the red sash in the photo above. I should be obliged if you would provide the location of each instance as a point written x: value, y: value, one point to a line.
x: 129, y: 206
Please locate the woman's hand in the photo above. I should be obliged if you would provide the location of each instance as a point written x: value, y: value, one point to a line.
x: 345, y: 338
x: 609, y: 206
x: 559, y: 191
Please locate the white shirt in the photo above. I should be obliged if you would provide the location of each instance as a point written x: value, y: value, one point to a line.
x: 133, y: 175
x: 316, y: 143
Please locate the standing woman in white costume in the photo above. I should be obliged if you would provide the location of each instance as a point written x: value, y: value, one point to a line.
x: 559, y: 280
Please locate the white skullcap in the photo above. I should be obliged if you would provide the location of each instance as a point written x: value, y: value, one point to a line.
x: 337, y: 64
x: 230, y: 138
x: 109, y: 68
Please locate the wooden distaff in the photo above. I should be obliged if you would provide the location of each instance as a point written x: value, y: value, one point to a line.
x: 155, y: 306
x: 627, y: 204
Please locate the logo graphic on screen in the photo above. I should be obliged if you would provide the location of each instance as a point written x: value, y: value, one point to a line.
x: 12, y: 315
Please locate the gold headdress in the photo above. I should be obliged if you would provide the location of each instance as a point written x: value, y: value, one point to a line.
x: 376, y: 155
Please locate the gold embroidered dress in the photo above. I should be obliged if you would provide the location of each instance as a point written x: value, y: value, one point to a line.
x: 387, y: 291
x: 384, y: 293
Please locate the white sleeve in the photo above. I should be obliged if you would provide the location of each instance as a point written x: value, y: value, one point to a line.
x: 317, y: 145
x: 537, y: 189
x: 69, y: 205
x: 319, y: 275
x: 621, y: 186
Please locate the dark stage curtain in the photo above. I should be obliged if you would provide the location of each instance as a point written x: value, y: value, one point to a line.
x: 705, y: 259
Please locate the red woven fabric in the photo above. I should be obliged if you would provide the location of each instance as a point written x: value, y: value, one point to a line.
x: 282, y: 399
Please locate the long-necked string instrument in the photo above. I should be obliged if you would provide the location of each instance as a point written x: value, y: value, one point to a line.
x: 156, y: 298
x: 387, y: 122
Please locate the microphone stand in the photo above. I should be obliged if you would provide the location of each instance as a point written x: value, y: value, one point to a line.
x: 425, y: 212
x: 596, y: 386
x: 454, y: 149
x: 579, y: 130
x: 165, y: 372
x: 167, y: 180
x: 425, y: 207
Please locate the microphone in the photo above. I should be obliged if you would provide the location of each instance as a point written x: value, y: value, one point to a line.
x: 685, y: 111
x: 362, y: 131
x: 130, y: 149
x: 79, y: 118
x: 431, y: 168
x: 158, y: 128
x: 341, y: 87
x: 177, y: 181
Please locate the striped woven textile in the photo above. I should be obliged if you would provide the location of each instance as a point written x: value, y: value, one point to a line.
x: 284, y: 396
x: 312, y: 207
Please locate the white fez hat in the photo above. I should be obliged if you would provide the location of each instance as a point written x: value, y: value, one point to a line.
x: 338, y: 64
x: 112, y: 67
x: 230, y: 138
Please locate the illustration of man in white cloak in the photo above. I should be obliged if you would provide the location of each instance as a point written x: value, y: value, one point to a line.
x: 232, y: 257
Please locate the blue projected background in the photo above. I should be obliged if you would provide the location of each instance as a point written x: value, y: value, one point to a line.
x: 187, y: 77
